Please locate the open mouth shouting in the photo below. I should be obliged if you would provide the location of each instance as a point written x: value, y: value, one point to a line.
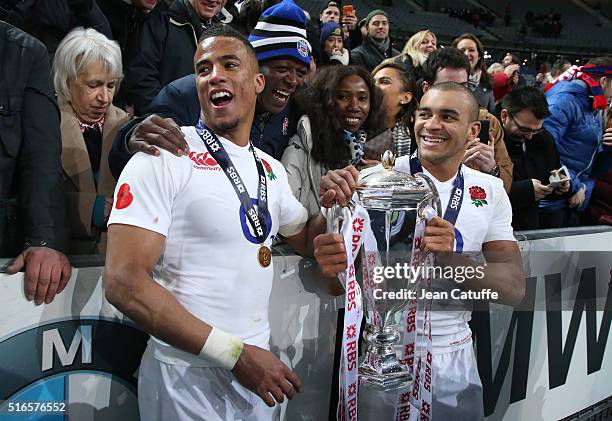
x: 281, y: 96
x: 220, y: 98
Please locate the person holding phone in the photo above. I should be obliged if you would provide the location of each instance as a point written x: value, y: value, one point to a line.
x: 535, y: 157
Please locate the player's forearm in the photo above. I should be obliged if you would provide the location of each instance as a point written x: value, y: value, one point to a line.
x: 503, y: 277
x: 154, y: 309
x: 302, y: 242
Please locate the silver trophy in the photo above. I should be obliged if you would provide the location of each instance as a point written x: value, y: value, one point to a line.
x: 393, y: 199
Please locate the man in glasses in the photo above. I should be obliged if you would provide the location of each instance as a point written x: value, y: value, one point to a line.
x: 534, y: 154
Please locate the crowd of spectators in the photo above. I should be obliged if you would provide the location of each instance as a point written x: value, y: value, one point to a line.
x: 479, y: 17
x: 336, y: 93
x: 547, y: 25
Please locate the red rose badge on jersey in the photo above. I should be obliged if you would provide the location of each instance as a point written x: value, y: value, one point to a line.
x: 269, y: 171
x: 478, y: 196
x: 124, y: 197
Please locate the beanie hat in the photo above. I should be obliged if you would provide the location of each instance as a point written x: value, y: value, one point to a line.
x: 375, y: 13
x: 328, y: 29
x: 281, y: 33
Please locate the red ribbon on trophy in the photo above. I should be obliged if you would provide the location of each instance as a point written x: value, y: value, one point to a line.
x: 353, y: 234
x: 416, y: 404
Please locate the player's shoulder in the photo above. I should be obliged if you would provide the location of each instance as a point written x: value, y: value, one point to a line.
x: 475, y: 180
x: 272, y: 166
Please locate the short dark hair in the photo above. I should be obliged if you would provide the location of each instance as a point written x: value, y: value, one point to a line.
x: 222, y: 30
x: 329, y: 4
x: 457, y: 87
x: 444, y: 58
x: 526, y: 98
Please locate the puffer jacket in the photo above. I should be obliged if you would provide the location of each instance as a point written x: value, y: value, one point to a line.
x: 303, y: 172
x: 577, y: 131
x: 163, y: 53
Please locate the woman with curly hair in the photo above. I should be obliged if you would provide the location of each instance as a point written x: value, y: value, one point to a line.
x: 416, y: 50
x: 399, y: 101
x: 480, y: 80
x: 341, y: 109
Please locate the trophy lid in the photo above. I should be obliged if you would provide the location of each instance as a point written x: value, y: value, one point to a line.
x: 390, y: 189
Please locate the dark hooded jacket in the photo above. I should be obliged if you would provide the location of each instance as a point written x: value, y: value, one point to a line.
x: 164, y: 52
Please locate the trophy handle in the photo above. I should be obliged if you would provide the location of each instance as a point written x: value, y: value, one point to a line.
x: 334, y: 223
x: 432, y: 198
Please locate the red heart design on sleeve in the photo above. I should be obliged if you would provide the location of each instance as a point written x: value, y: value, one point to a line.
x: 124, y: 197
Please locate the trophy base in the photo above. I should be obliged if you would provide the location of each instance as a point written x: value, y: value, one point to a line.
x: 386, y: 381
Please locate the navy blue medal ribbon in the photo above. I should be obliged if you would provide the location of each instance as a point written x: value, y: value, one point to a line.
x: 257, y: 218
x: 454, y: 204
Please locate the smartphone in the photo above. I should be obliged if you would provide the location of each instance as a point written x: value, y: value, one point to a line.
x: 559, y: 176
x: 484, y: 131
x: 348, y: 9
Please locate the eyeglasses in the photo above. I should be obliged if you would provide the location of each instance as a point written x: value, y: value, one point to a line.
x: 525, y: 130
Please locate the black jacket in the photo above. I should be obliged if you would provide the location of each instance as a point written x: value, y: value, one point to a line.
x: 163, y: 53
x: 537, y: 161
x: 32, y: 202
x: 126, y: 20
x: 51, y: 20
x: 179, y: 101
x: 369, y: 55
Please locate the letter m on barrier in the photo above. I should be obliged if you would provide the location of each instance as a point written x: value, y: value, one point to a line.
x: 53, y: 341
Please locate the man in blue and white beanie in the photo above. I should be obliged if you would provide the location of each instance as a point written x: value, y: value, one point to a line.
x: 281, y: 33
x: 279, y: 41
x: 284, y: 56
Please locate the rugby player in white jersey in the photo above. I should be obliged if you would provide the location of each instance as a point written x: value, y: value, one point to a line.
x: 445, y: 123
x: 189, y: 257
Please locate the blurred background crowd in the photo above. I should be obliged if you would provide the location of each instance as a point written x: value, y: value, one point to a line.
x: 87, y: 83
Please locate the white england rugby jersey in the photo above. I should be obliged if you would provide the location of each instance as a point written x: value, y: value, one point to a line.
x: 485, y: 215
x: 209, y: 261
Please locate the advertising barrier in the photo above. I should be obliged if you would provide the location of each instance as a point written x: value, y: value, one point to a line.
x: 544, y: 360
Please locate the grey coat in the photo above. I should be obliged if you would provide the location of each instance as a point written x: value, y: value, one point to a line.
x: 484, y: 96
x: 303, y: 172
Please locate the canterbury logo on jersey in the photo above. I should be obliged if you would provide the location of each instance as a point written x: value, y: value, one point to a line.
x: 204, y: 161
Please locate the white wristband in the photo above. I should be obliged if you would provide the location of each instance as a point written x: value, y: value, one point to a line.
x: 222, y: 348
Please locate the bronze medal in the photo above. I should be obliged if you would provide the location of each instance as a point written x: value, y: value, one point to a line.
x: 264, y: 255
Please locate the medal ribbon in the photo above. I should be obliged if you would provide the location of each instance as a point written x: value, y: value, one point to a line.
x: 454, y: 204
x: 257, y: 218
x: 353, y: 231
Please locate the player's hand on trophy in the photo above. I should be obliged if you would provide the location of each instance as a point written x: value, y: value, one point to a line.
x: 156, y: 132
x: 261, y: 372
x: 330, y: 253
x: 338, y: 186
x: 439, y: 236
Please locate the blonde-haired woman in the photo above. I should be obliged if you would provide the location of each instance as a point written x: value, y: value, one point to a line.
x: 87, y: 71
x: 417, y: 49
